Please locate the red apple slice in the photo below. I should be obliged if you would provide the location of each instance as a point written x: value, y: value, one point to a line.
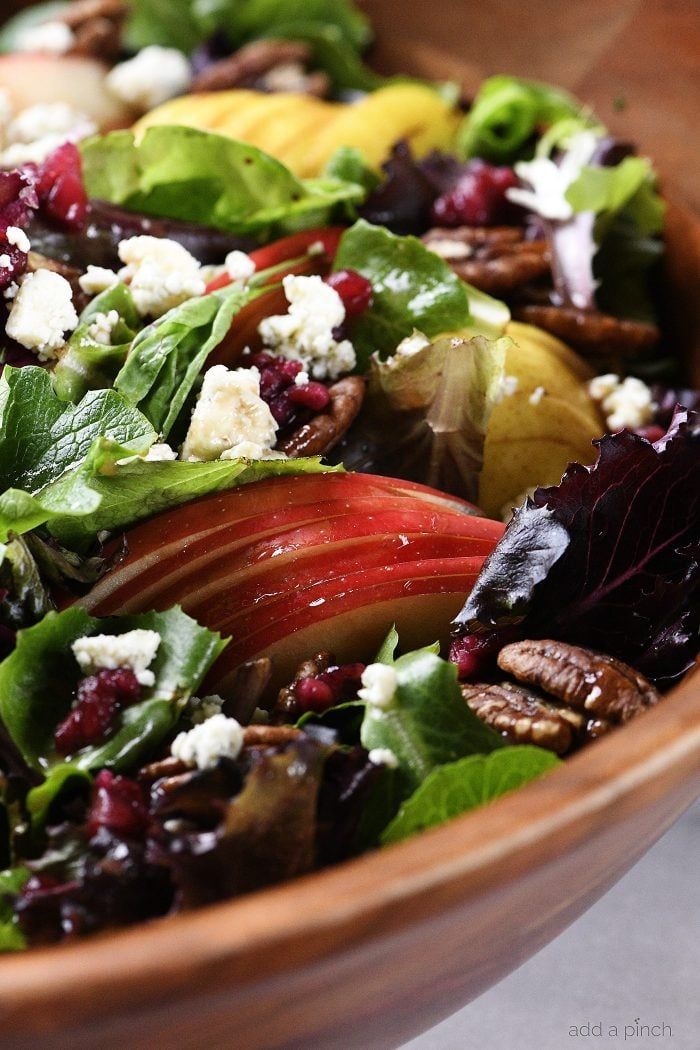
x: 30, y: 79
x: 352, y: 623
x: 199, y: 528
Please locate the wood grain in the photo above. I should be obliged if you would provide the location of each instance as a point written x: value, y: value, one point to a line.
x: 378, y: 949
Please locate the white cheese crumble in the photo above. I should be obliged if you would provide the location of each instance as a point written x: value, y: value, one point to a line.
x: 203, y: 746
x: 160, y: 273
x: 449, y: 249
x: 12, y: 289
x: 53, y: 37
x: 160, y: 453
x: 97, y: 279
x: 202, y: 708
x: 412, y: 344
x: 42, y: 312
x: 508, y: 386
x: 38, y: 130
x: 625, y: 403
x: 230, y: 418
x: 18, y: 238
x: 379, y: 683
x: 305, y: 332
x: 383, y: 756
x: 537, y: 395
x: 152, y: 76
x: 239, y: 266
x: 134, y: 649
x: 549, y: 181
x: 100, y: 329
x: 5, y: 261
x: 301, y: 379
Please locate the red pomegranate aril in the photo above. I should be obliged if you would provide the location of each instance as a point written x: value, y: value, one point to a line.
x: 354, y: 289
x: 478, y: 198
x: 99, y: 699
x: 61, y: 189
x: 473, y: 656
x: 282, y: 409
x: 118, y: 804
x: 311, y: 395
x: 314, y: 694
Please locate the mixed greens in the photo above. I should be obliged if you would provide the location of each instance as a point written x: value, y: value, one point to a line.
x: 295, y: 352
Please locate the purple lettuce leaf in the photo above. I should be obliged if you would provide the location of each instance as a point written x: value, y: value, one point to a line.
x: 610, y: 559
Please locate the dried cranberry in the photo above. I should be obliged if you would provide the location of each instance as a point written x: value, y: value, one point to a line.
x: 17, y: 200
x: 473, y: 656
x: 330, y: 687
x: 118, y: 804
x: 354, y: 289
x: 99, y: 699
x: 311, y: 395
x: 478, y: 198
x: 61, y: 189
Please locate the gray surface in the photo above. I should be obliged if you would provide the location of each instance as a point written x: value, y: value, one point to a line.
x: 634, y: 955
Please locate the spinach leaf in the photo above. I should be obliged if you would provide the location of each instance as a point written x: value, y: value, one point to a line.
x: 463, y: 785
x: 412, y: 288
x: 248, y: 19
x: 167, y: 356
x: 185, y: 173
x: 38, y: 679
x: 429, y: 722
x: 89, y: 365
x: 41, y: 437
x: 41, y: 798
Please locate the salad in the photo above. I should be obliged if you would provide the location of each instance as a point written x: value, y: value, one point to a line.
x: 348, y: 479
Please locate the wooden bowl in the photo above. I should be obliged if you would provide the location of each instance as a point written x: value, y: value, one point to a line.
x: 376, y: 950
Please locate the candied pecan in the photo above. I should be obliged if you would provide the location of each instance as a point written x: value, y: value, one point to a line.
x: 163, y: 768
x: 589, y: 331
x: 523, y: 717
x: 587, y: 681
x: 97, y: 27
x: 255, y: 65
x: 495, y: 259
x: 325, y: 430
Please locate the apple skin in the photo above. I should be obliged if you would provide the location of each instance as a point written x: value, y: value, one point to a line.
x: 30, y: 79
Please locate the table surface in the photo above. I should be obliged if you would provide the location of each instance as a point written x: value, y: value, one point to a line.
x: 633, y: 957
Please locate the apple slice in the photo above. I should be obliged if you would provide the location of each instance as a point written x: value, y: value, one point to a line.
x: 352, y: 620
x: 175, y: 539
x: 30, y: 79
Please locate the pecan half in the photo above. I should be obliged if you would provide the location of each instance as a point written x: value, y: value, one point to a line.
x: 589, y: 331
x: 523, y: 717
x: 587, y: 681
x: 97, y: 27
x: 321, y: 433
x: 269, y: 736
x: 495, y: 259
x: 268, y: 65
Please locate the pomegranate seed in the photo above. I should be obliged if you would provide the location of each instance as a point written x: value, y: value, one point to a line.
x: 319, y: 692
x: 478, y: 198
x: 99, y: 699
x: 313, y: 694
x: 61, y: 190
x: 118, y: 804
x: 473, y: 656
x: 311, y: 395
x: 354, y: 289
x: 282, y: 409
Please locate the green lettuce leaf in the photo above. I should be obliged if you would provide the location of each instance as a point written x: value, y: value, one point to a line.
x: 429, y: 722
x: 38, y: 679
x: 42, y: 437
x: 506, y: 114
x: 184, y: 173
x: 463, y: 785
x: 629, y: 185
x: 413, y: 289
x: 127, y: 489
x: 88, y: 365
x: 11, y: 882
x: 171, y: 23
